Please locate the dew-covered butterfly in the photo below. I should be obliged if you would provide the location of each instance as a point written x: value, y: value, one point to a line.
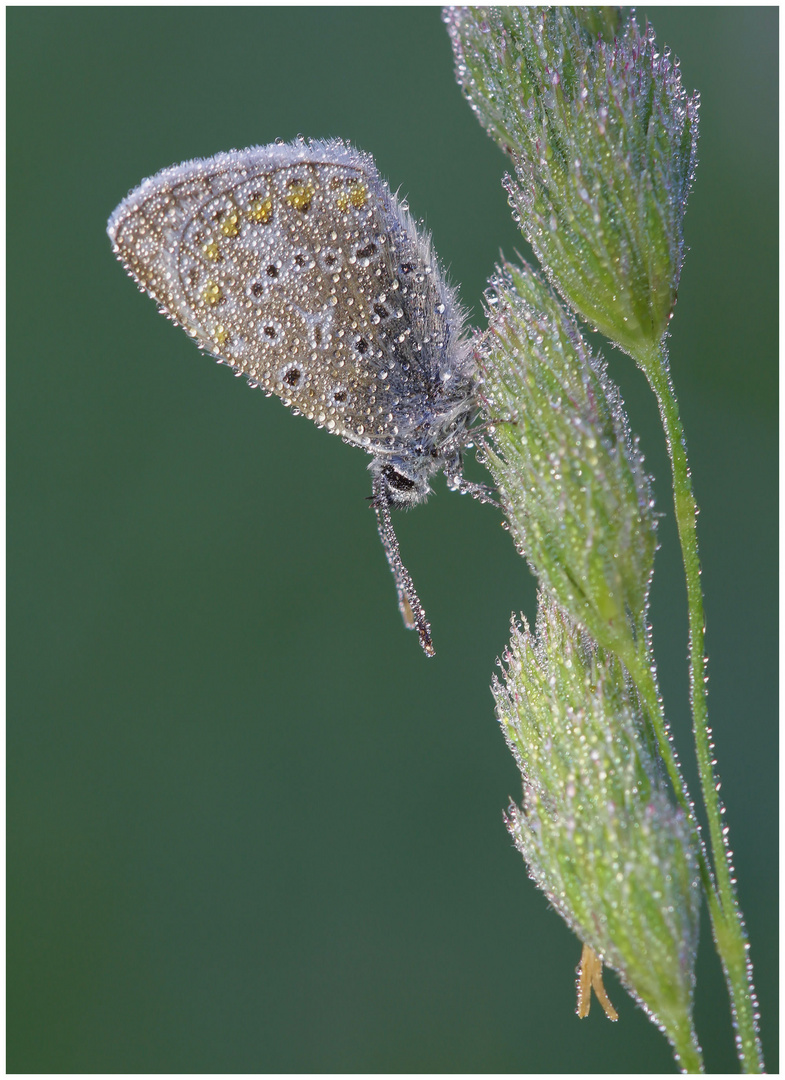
x: 295, y: 265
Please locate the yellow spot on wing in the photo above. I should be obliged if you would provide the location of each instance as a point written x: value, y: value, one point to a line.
x: 261, y: 211
x: 230, y: 225
x: 358, y: 196
x: 300, y: 194
x: 211, y: 293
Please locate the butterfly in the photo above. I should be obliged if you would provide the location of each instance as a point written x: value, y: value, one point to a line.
x: 295, y: 265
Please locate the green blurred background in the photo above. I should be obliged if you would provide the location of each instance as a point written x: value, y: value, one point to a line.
x: 251, y: 827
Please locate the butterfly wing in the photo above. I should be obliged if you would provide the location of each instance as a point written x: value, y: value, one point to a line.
x: 295, y: 265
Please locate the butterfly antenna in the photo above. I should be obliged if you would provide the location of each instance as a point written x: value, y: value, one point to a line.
x: 408, y: 601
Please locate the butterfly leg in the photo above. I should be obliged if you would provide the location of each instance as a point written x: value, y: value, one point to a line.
x: 480, y: 492
x: 408, y: 601
x: 457, y: 482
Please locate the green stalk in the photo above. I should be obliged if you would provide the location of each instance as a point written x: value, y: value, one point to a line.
x: 726, y: 916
